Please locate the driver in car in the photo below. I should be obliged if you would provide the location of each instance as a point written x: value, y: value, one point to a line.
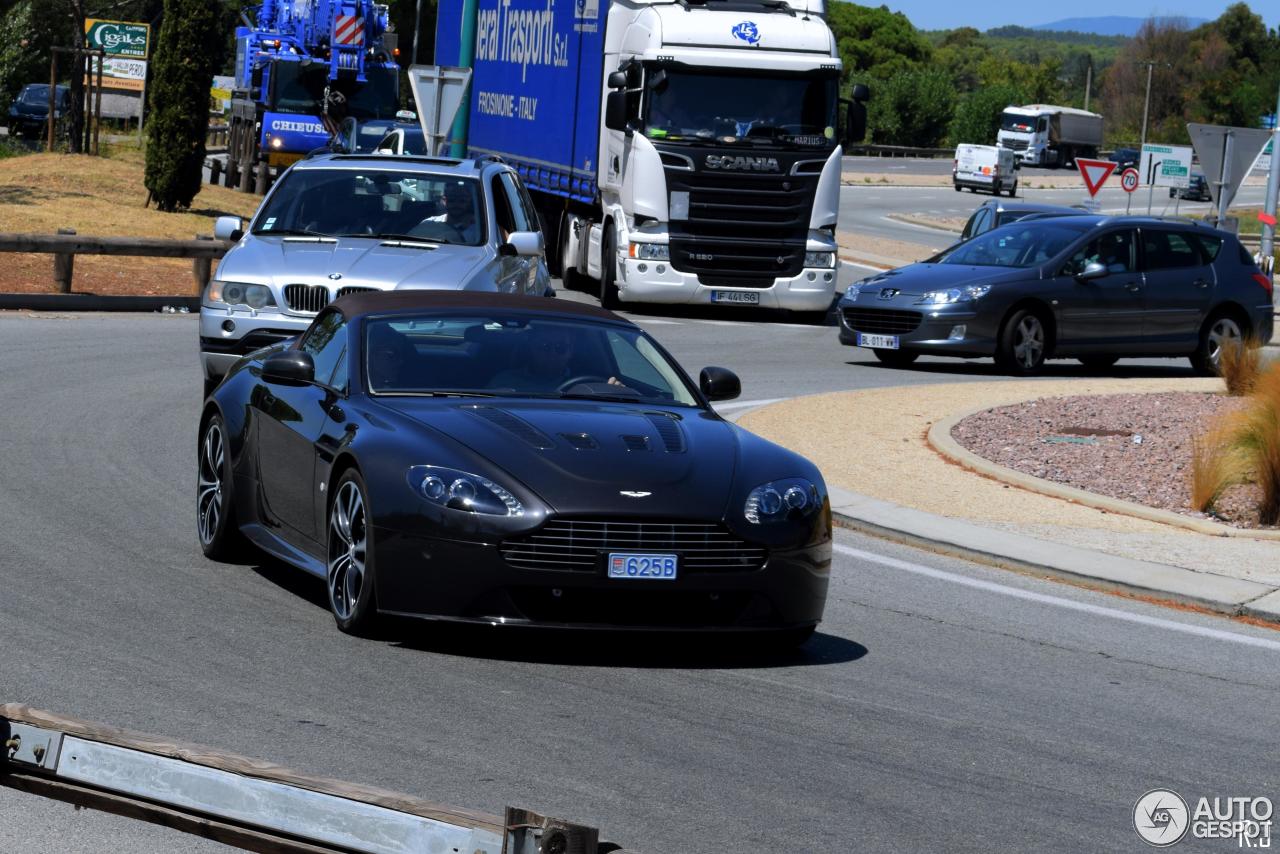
x: 546, y: 366
x: 459, y: 212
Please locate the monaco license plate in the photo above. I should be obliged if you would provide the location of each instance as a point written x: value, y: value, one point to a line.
x: 630, y: 565
x: 740, y: 297
x: 880, y: 342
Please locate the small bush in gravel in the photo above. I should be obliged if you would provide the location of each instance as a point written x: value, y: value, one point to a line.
x: 1257, y: 438
x: 1239, y: 363
x: 1216, y: 464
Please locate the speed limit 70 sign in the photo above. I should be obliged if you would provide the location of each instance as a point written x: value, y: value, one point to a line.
x: 1129, y: 180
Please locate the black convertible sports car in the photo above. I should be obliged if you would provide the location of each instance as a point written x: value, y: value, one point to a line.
x: 509, y: 460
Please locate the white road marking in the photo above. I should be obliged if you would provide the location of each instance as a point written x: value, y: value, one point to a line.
x: 863, y: 266
x: 633, y: 318
x: 1057, y: 601
x: 722, y: 322
x: 743, y: 404
x: 899, y: 222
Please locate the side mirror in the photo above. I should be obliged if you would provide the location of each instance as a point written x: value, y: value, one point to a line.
x: 289, y: 367
x: 719, y: 384
x: 855, y: 121
x: 1092, y: 270
x: 861, y: 93
x: 228, y: 228
x: 618, y: 80
x: 615, y: 111
x: 526, y: 243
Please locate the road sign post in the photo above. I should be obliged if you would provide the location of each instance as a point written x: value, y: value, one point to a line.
x: 1128, y: 183
x: 1226, y: 153
x: 1095, y: 173
x: 1164, y: 166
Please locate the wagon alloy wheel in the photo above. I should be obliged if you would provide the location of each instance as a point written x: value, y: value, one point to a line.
x: 350, y: 557
x: 209, y: 486
x: 1028, y: 342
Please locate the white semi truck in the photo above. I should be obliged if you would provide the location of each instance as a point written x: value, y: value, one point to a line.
x: 677, y: 152
x: 1048, y: 135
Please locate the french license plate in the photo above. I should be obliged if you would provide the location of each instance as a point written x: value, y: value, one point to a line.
x: 740, y: 297
x: 880, y: 342
x: 630, y: 565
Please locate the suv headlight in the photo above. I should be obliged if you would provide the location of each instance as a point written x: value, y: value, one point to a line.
x: 651, y: 251
x: 965, y: 294
x: 779, y: 499
x: 459, y: 490
x: 820, y: 259
x: 235, y: 293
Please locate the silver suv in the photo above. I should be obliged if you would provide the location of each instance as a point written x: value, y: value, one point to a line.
x: 338, y: 223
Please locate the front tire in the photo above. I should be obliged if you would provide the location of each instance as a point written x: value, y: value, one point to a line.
x: 895, y: 358
x: 608, y: 272
x: 1023, y: 344
x: 1013, y: 191
x: 349, y: 578
x: 1218, y: 330
x: 220, y: 537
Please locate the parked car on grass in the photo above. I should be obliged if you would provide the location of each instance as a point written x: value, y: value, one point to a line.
x: 1089, y: 287
x: 29, y: 112
x: 996, y: 213
x: 985, y: 167
x: 507, y: 461
x: 1197, y: 189
x: 335, y: 224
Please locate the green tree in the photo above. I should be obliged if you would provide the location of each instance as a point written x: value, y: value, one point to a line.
x: 978, y: 113
x: 188, y: 51
x: 875, y: 43
x: 912, y: 108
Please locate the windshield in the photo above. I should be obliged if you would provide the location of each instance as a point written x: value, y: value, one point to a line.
x: 1015, y: 122
x: 301, y: 90
x: 1021, y: 244
x: 369, y: 135
x: 738, y: 107
x: 384, y: 203
x: 504, y: 354
x: 37, y: 93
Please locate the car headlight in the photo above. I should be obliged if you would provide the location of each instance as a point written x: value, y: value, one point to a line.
x: 950, y: 295
x: 820, y: 259
x: 851, y: 292
x: 779, y: 499
x: 235, y: 293
x: 459, y: 490
x: 651, y: 251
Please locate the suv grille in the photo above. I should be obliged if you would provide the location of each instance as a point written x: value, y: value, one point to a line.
x: 308, y: 298
x: 885, y: 321
x: 576, y: 545
x: 742, y: 225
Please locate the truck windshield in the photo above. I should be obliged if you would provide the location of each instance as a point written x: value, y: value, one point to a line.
x: 301, y: 90
x: 1015, y: 122
x: 741, y: 107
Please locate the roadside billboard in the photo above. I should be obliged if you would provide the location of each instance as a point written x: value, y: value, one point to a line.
x: 1165, y: 165
x: 126, y: 45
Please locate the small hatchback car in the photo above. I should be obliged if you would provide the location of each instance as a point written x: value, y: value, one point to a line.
x: 336, y: 224
x: 1092, y: 288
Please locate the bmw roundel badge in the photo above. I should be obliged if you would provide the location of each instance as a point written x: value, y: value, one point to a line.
x: 747, y: 31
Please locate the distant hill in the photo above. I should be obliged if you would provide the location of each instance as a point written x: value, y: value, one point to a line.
x: 1109, y: 25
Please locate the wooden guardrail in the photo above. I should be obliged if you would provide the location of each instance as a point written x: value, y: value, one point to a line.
x: 66, y: 245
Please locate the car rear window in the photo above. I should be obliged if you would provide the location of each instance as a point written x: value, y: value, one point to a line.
x: 1245, y: 257
x: 1209, y: 245
x: 1169, y: 250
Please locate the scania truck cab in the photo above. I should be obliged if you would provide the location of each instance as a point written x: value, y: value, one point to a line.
x: 702, y: 163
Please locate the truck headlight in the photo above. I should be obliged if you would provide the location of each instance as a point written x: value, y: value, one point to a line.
x: 236, y: 293
x: 779, y: 499
x: 950, y: 295
x: 651, y: 251
x: 826, y: 260
x: 459, y: 490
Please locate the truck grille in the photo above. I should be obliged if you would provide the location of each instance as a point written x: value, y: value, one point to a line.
x: 884, y: 321
x: 576, y: 545
x: 742, y: 225
x: 306, y: 298
x: 1015, y: 144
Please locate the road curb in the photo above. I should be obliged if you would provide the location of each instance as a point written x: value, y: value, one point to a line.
x: 93, y: 302
x: 1152, y: 581
x: 939, y: 438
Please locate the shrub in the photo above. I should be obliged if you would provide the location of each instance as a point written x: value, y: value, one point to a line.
x: 1215, y: 465
x: 1239, y: 363
x: 1258, y: 439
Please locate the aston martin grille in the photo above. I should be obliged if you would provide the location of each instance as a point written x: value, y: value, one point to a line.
x: 578, y: 545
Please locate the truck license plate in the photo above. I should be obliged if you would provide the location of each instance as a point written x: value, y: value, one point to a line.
x: 740, y: 297
x: 880, y: 342
x: 630, y: 565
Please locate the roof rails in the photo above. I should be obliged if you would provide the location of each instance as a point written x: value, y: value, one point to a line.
x: 487, y: 158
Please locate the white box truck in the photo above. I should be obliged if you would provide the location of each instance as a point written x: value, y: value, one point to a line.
x: 677, y: 152
x: 1048, y: 135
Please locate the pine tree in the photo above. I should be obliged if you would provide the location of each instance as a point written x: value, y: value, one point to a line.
x: 187, y: 53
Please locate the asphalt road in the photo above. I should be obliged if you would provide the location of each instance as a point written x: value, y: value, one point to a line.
x: 943, y: 706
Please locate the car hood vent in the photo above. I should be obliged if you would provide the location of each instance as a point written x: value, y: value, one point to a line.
x: 669, y: 429
x: 581, y: 441
x: 636, y: 443
x: 512, y: 424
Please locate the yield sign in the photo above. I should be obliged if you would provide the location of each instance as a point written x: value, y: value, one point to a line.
x: 1095, y: 173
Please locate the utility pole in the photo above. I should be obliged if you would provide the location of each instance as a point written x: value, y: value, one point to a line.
x: 1146, y: 104
x: 1267, y: 250
x: 1088, y: 82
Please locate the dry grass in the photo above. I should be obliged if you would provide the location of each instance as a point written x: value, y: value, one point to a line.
x: 1239, y: 363
x: 1258, y: 438
x: 1216, y: 464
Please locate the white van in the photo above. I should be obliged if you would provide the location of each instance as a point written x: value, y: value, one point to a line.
x: 985, y: 167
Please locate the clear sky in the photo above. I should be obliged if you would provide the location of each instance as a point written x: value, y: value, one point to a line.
x: 984, y: 14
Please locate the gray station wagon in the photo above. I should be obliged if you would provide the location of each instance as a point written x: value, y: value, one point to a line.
x: 1088, y: 287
